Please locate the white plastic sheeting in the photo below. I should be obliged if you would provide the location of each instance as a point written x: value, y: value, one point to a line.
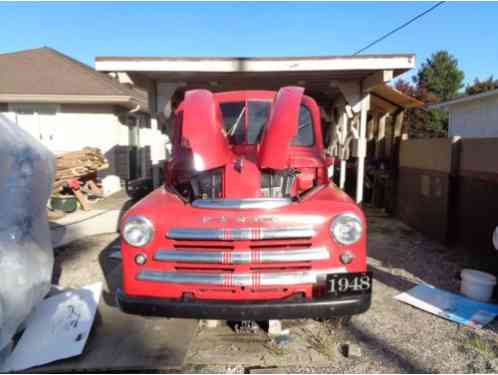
x: 26, y: 255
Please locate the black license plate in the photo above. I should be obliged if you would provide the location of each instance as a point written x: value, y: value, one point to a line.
x: 344, y: 284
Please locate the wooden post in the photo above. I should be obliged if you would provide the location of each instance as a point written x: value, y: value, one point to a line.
x: 362, y: 147
x: 380, y: 141
x: 395, y: 148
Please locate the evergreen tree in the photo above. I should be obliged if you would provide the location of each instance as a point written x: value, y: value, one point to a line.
x: 481, y: 86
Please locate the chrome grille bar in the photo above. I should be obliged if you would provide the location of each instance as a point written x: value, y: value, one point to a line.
x: 227, y: 279
x: 238, y: 234
x: 243, y: 257
x: 242, y: 204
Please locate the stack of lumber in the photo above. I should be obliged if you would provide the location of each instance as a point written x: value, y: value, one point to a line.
x: 78, y: 165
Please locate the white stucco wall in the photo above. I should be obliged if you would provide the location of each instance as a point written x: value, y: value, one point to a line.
x: 71, y: 127
x: 80, y: 126
x: 74, y: 126
x: 474, y: 119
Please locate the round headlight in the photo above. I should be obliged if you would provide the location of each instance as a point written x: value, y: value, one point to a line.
x: 138, y: 231
x: 346, y: 228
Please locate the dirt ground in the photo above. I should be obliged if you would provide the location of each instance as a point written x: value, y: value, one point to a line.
x: 390, y: 337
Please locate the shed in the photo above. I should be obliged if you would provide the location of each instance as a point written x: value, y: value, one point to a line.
x: 342, y: 86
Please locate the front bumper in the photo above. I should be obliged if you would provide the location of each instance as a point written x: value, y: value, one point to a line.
x: 235, y: 310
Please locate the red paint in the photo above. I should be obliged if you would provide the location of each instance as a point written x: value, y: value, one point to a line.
x: 199, y: 130
x: 281, y: 129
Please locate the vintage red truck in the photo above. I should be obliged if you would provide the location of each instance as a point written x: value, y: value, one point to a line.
x: 248, y: 225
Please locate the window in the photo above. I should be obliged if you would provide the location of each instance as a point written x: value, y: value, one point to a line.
x: 259, y: 112
x: 305, y: 131
x: 234, y: 118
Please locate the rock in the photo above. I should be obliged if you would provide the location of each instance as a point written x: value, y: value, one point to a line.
x: 274, y: 327
x: 209, y: 323
x: 350, y: 350
x: 266, y: 370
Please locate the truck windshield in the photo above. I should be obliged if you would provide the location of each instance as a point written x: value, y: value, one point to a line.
x: 258, y: 112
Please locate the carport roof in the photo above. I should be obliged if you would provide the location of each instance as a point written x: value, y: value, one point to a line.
x: 46, y: 75
x: 398, y: 62
x: 316, y: 73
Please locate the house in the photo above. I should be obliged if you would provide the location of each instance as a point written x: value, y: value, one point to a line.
x: 68, y: 105
x: 474, y: 116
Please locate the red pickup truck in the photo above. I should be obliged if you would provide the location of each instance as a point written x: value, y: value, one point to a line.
x: 248, y: 225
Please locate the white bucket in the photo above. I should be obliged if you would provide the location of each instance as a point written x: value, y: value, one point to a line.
x: 110, y: 185
x: 477, y: 285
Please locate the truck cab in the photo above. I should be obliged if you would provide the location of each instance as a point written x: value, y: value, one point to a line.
x: 248, y: 225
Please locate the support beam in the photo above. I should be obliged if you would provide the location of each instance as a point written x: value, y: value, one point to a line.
x: 165, y: 91
x: 351, y: 90
x: 376, y: 79
x: 380, y: 140
x: 362, y: 146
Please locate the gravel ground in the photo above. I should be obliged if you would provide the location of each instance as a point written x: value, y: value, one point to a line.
x: 393, y: 337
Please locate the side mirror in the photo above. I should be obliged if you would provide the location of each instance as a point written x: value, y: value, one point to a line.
x: 495, y: 238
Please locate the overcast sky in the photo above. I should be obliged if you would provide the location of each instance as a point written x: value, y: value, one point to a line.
x: 85, y: 30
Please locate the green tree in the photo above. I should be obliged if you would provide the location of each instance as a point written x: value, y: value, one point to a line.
x: 420, y: 122
x: 440, y: 76
x: 481, y: 86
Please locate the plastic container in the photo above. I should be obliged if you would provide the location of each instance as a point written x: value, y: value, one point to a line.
x: 66, y: 203
x: 110, y: 184
x: 477, y: 285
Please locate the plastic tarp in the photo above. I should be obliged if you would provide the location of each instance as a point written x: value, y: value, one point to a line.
x: 449, y: 305
x: 26, y: 256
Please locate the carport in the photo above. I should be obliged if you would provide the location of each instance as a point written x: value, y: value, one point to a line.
x: 351, y: 91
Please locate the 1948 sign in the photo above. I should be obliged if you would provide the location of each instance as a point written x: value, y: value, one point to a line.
x: 349, y: 283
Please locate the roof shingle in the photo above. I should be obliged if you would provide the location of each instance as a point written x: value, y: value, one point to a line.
x: 45, y: 71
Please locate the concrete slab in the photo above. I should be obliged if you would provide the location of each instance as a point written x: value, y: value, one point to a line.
x: 308, y: 344
x: 118, y: 342
x: 103, y: 218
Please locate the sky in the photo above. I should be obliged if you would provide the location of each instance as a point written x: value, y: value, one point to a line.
x: 85, y: 30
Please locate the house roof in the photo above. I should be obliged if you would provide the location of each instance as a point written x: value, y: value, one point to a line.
x: 46, y: 75
x: 465, y: 99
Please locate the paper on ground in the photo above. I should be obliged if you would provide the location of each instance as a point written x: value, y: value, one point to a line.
x: 58, y: 328
x: 449, y: 305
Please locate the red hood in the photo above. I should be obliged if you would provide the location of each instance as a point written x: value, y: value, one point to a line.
x: 203, y: 132
x: 281, y: 129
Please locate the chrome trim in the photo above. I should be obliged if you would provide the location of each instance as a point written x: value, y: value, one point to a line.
x: 237, y: 234
x: 243, y: 257
x: 242, y: 204
x: 228, y: 279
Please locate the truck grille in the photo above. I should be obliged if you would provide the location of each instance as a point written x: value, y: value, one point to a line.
x: 243, y: 257
x: 240, y: 234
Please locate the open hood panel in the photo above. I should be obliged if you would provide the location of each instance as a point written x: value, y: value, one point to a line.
x: 281, y: 129
x: 203, y: 132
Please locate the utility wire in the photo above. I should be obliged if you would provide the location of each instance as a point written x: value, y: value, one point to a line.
x: 399, y: 27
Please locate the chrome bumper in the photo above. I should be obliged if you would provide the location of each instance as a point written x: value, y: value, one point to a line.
x: 234, y: 279
x: 243, y: 257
